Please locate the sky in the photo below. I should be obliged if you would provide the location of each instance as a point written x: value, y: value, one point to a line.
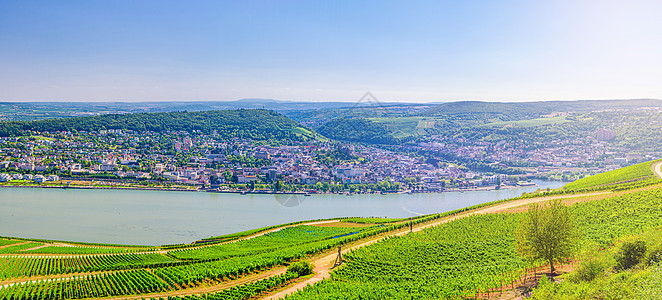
x: 411, y: 51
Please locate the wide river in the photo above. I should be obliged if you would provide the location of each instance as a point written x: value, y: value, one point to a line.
x: 157, y: 218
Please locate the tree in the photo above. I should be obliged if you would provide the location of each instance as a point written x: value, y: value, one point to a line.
x: 547, y: 232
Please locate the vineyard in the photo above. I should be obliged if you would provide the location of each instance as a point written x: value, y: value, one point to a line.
x: 245, y: 291
x: 28, y: 266
x: 5, y: 242
x: 606, y: 180
x: 153, y: 272
x: 112, y: 284
x: 19, y: 247
x: 470, y: 255
x: 287, y: 237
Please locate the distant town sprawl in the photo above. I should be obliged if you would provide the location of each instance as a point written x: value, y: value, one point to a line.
x: 195, y: 161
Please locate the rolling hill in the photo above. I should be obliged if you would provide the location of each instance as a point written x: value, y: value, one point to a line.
x: 255, y: 124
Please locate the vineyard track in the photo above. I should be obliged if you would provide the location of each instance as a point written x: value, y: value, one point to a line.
x: 206, y: 289
x: 658, y: 169
x: 324, y: 264
x: 35, y: 248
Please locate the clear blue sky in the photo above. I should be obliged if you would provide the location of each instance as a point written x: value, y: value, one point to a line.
x: 329, y: 50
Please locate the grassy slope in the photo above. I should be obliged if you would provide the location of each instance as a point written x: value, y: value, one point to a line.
x: 632, y: 173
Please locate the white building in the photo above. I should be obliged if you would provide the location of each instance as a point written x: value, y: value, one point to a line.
x: 39, y: 178
x: 4, y: 177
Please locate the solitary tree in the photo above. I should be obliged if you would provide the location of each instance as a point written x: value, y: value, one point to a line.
x: 547, y: 232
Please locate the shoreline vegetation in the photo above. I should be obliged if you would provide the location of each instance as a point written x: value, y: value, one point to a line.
x: 114, y: 186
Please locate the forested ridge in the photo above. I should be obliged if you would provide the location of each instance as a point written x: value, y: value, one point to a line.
x: 243, y: 123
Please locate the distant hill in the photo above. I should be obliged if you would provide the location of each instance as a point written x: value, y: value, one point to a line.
x: 256, y: 124
x: 31, y: 111
x: 524, y: 110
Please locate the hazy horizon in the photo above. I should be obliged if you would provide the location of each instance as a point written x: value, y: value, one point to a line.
x: 313, y: 101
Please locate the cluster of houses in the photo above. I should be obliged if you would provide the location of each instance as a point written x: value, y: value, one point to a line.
x: 4, y: 177
x: 206, y: 160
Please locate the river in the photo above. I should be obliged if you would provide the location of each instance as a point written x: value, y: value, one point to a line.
x: 157, y: 217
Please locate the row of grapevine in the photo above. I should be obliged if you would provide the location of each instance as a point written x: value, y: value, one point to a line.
x: 27, y: 266
x: 93, y: 286
x: 192, y: 274
x: 245, y: 291
x: 287, y: 237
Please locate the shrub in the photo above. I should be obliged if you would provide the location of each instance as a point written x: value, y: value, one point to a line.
x: 654, y: 256
x: 630, y: 254
x: 301, y: 267
x: 590, y: 269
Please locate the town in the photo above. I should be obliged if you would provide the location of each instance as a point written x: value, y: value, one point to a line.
x: 194, y: 161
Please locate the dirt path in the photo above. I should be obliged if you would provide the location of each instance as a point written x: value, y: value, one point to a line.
x: 658, y: 169
x: 324, y: 264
